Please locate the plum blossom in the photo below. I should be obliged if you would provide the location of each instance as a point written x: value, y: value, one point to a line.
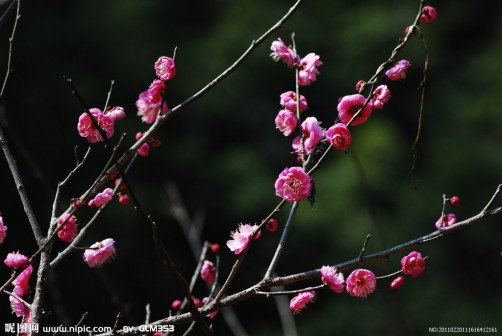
x: 446, y: 220
x: 360, y: 84
x: 176, y: 304
x: 288, y: 100
x: 300, y: 301
x: 86, y: 127
x: 339, y: 136
x: 429, y: 14
x: 242, y: 237
x: 144, y: 150
x: 413, y: 264
x: 67, y: 232
x: 308, y: 69
x: 293, y: 184
x: 361, y: 282
x: 99, y: 252
x: 16, y: 259
x: 350, y: 105
x: 165, y: 68
x: 17, y: 306
x: 380, y: 97
x: 286, y: 122
x: 281, y: 51
x: 116, y: 113
x: 397, y: 282
x: 312, y: 133
x: 102, y: 198
x: 272, y: 225
x: 23, y: 279
x: 208, y: 272
x: 398, y: 71
x: 3, y: 230
x: 156, y: 91
x: 147, y: 109
x: 333, y: 279
x: 454, y: 201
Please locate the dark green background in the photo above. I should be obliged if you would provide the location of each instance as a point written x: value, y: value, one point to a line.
x: 224, y: 154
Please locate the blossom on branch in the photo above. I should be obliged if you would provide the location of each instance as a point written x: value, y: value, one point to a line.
x: 300, y: 301
x: 116, y: 113
x: 349, y: 105
x: 165, y: 68
x: 67, y: 232
x: 148, y: 109
x: 380, y: 97
x: 446, y: 220
x: 339, y: 136
x: 398, y: 71
x: 208, y: 272
x: 333, y: 279
x: 102, y: 198
x: 429, y: 14
x: 286, y: 122
x: 397, y: 282
x: 15, y: 260
x: 308, y: 69
x: 361, y: 282
x: 86, y: 127
x: 99, y: 252
x: 281, y: 51
x: 293, y: 184
x: 413, y: 264
x: 241, y: 237
x: 312, y: 133
x: 289, y: 101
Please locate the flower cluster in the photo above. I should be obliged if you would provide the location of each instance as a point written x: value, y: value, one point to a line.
x: 105, y: 121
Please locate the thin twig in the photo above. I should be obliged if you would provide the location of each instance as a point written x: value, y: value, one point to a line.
x: 363, y: 250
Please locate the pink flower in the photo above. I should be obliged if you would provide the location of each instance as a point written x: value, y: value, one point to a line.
x: 380, y: 97
x: 3, y: 230
x: 215, y: 248
x: 102, y: 198
x: 288, y: 100
x: 308, y: 71
x: 429, y: 14
x: 205, y: 301
x: 67, y: 232
x: 144, y: 150
x: 17, y: 306
x: 300, y: 301
x: 116, y: 113
x: 397, y: 282
x: 360, y: 84
x: 361, y: 282
x: 241, y: 237
x: 398, y: 71
x: 293, y: 184
x: 339, y: 136
x: 99, y: 252
x: 454, y: 201
x: 349, y: 105
x: 282, y: 51
x: 286, y: 122
x: 156, y: 91
x: 23, y: 279
x: 123, y: 199
x: 333, y: 279
x: 165, y: 68
x: 446, y: 220
x: 208, y: 272
x: 176, y: 304
x: 312, y: 133
x: 86, y: 127
x: 15, y: 260
x: 413, y: 264
x: 147, y: 109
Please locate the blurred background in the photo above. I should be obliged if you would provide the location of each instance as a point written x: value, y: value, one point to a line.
x: 223, y: 154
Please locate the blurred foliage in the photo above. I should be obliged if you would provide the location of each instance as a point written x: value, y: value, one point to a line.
x: 224, y: 153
